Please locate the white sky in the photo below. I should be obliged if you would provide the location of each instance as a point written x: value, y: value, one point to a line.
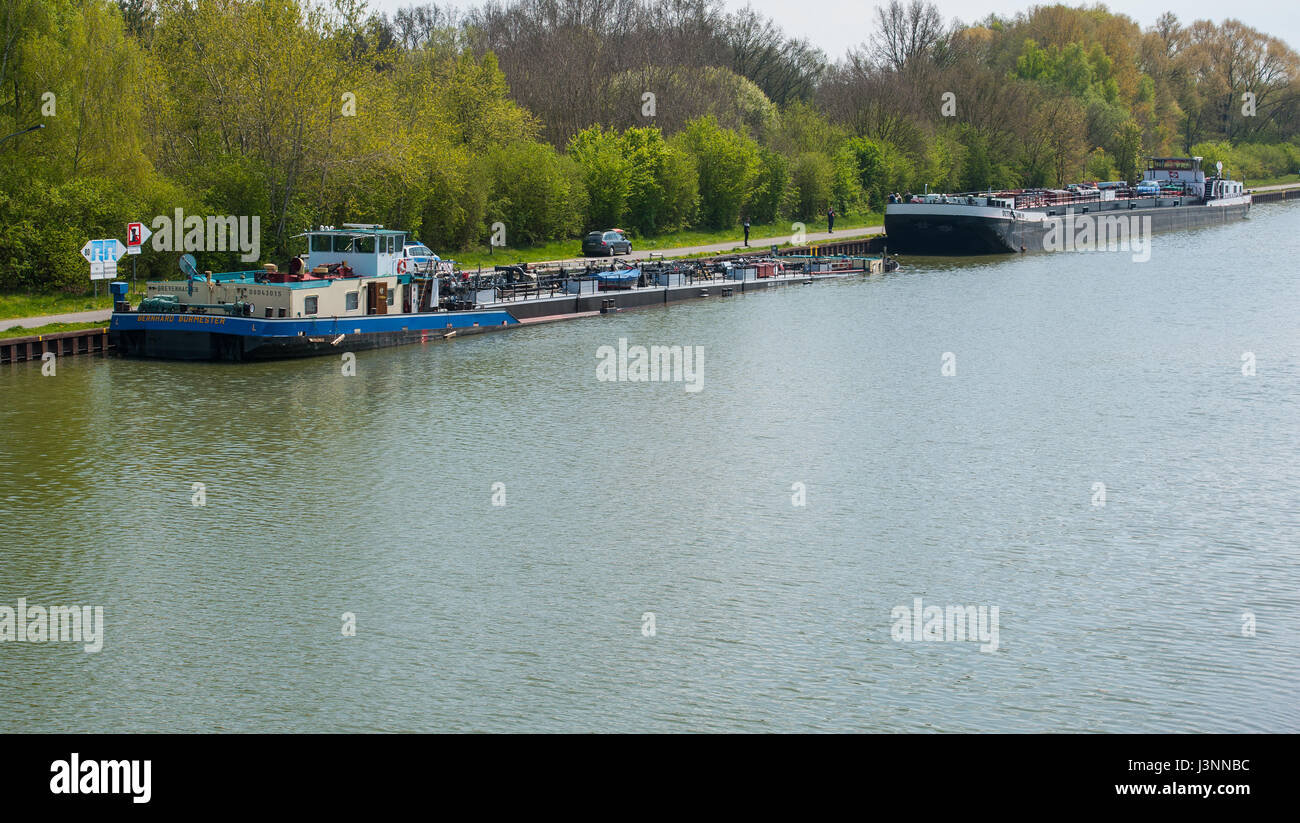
x: 837, y: 25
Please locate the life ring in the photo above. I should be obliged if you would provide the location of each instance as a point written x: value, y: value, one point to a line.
x: 401, y: 266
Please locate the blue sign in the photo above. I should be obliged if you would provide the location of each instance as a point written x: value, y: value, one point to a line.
x: 103, y: 251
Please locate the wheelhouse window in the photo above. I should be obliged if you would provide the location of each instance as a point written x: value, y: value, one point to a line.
x: 342, y: 243
x: 365, y: 245
x: 352, y: 300
x: 309, y: 305
x: 320, y: 242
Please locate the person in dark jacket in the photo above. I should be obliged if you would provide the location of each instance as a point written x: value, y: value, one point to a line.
x: 746, y: 231
x: 830, y: 221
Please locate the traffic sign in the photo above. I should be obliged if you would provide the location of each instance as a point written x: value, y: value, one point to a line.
x: 103, y: 256
x: 102, y: 250
x: 103, y: 270
x: 136, y: 236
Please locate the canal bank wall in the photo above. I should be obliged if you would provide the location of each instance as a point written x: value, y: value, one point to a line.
x: 62, y: 344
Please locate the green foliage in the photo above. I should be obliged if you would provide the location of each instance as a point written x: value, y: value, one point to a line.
x: 453, y: 211
x: 867, y: 158
x: 42, y: 230
x: 681, y: 185
x: 1099, y: 165
x: 1251, y: 160
x: 728, y: 164
x: 536, y: 192
x: 769, y: 188
x: 944, y: 160
x: 1211, y: 152
x: 662, y: 180
x: 978, y: 172
x: 1071, y: 69
x: 812, y: 181
x: 1128, y: 150
x: 635, y: 180
x: 606, y: 174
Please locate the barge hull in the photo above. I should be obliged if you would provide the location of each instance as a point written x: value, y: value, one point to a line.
x: 181, y: 337
x: 943, y: 229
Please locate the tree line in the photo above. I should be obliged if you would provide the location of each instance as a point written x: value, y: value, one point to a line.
x: 553, y: 117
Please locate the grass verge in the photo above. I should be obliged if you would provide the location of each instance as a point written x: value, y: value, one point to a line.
x: 563, y: 249
x: 48, y: 328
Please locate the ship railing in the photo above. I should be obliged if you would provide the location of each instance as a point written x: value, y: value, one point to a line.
x: 516, y: 292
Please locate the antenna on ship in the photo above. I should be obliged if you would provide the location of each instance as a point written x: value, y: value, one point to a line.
x: 190, y: 268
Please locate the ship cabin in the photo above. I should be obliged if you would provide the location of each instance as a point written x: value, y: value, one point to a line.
x: 1218, y: 188
x: 1186, y: 175
x: 356, y: 270
x: 1181, y: 173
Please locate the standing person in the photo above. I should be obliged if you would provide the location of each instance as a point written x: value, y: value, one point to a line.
x: 830, y: 220
x: 746, y: 232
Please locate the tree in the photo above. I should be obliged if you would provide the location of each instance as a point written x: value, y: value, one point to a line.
x: 535, y: 191
x: 728, y: 164
x: 906, y: 33
x: 769, y: 188
x: 812, y: 179
x: 606, y: 174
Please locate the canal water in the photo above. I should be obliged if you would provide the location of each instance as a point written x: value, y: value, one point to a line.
x: 732, y: 559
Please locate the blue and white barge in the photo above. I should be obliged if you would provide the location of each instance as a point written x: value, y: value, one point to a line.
x: 359, y: 287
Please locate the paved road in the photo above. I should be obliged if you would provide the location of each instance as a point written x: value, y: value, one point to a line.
x: 755, y: 243
x: 75, y: 317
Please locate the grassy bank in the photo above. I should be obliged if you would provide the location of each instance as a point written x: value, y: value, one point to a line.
x: 37, y: 305
x: 48, y: 328
x: 561, y: 249
x: 1293, y: 179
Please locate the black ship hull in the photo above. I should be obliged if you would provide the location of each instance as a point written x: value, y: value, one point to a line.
x: 943, y: 229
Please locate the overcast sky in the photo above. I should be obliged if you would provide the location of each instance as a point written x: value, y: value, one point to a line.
x: 837, y: 25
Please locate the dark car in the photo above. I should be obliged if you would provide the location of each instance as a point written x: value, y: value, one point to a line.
x: 599, y: 243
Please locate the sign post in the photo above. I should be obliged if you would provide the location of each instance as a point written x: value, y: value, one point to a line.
x: 136, y: 235
x: 102, y: 256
